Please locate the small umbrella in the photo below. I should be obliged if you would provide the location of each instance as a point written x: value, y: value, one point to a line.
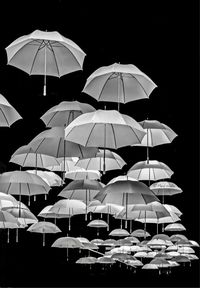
x: 160, y: 262
x: 65, y: 112
x: 44, y: 228
x: 119, y: 233
x: 7, y: 200
x: 98, y: 224
x: 133, y: 239
x: 163, y: 188
x: 161, y: 236
x: 26, y: 157
x: 185, y: 250
x: 98, y: 242
x: 173, y: 209
x: 86, y: 260
x: 8, y: 114
x: 112, y: 161
x: 150, y: 170
x: 150, y: 266
x: 177, y: 237
x: 45, y: 53
x: 120, y: 83
x: 68, y: 208
x: 140, y: 233
x: 175, y: 227
x: 81, y: 173
x: 104, y: 129
x: 67, y: 242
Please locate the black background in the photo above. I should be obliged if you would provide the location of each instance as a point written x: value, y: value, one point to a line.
x: 161, y: 39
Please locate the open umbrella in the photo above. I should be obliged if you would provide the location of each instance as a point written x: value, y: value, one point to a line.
x: 119, y: 233
x: 175, y: 227
x: 45, y: 53
x: 8, y: 114
x: 65, y: 112
x: 44, y: 228
x: 97, y: 224
x: 81, y: 174
x: 67, y: 242
x: 104, y: 129
x: 120, y: 83
x: 163, y: 188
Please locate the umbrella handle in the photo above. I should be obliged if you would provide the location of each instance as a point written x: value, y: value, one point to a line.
x: 43, y: 238
x: 8, y: 235
x: 17, y: 235
x: 45, y: 70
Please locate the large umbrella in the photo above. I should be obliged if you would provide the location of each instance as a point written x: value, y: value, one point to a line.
x: 26, y: 157
x: 112, y: 161
x: 8, y: 114
x: 104, y: 129
x: 65, y: 112
x: 44, y: 228
x: 22, y: 183
x: 84, y: 190
x: 45, y: 53
x: 156, y: 134
x: 68, y: 208
x: 119, y: 83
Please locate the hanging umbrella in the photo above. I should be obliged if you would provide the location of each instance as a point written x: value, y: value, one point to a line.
x: 161, y: 236
x: 98, y: 242
x: 112, y: 161
x: 44, y: 228
x: 7, y: 200
x: 175, y: 227
x: 26, y: 157
x: 67, y: 242
x: 65, y: 112
x: 97, y: 224
x: 156, y: 134
x: 83, y: 240
x: 172, y: 208
x: 120, y: 83
x: 104, y: 129
x: 140, y: 233
x: 8, y: 221
x: 22, y: 183
x: 81, y: 174
x: 84, y: 190
x: 152, y: 170
x: 45, y: 53
x: 119, y: 233
x: 67, y: 208
x: 150, y: 266
x: 163, y: 188
x: 51, y: 178
x: 8, y: 114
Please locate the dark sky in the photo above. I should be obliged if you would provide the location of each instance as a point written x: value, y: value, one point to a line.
x: 159, y: 37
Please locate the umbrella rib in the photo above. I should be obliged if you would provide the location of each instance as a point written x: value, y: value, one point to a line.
x: 59, y: 143
x: 136, y: 135
x: 139, y: 84
x: 51, y: 118
x: 151, y: 137
x: 154, y: 173
x: 105, y: 84
x: 23, y: 163
x: 123, y: 87
x: 54, y: 57
x: 114, y: 135
x: 35, y: 56
x: 4, y: 116
x: 90, y: 135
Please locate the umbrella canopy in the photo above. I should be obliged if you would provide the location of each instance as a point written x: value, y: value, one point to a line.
x: 161, y: 236
x: 86, y: 260
x: 7, y: 200
x: 121, y: 178
x: 156, y: 133
x: 20, y: 212
x: 112, y: 161
x: 105, y: 129
x: 150, y: 266
x: 175, y: 227
x: 119, y: 83
x: 81, y: 174
x: 68, y: 207
x: 150, y: 170
x: 6, y: 216
x: 45, y: 53
x: 8, y: 114
x: 160, y: 262
x: 165, y: 188
x: 97, y: 224
x: 26, y: 157
x: 65, y: 112
x: 172, y: 208
x: 67, y: 242
x: 140, y: 233
x: 119, y: 233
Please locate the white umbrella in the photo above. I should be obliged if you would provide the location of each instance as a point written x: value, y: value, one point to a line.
x: 45, y: 53
x: 8, y: 114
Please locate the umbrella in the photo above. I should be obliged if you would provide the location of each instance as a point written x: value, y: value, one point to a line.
x: 160, y: 262
x: 97, y: 224
x: 161, y: 236
x: 44, y: 228
x: 22, y: 183
x: 26, y: 157
x: 7, y: 200
x: 175, y: 227
x: 119, y: 83
x: 86, y: 260
x: 119, y: 233
x: 121, y: 178
x: 68, y: 208
x: 8, y: 114
x: 97, y: 242
x: 45, y: 53
x: 65, y: 112
x: 51, y: 178
x: 104, y: 129
x: 156, y: 134
x: 140, y: 233
x: 165, y: 188
x: 84, y: 190
x: 67, y: 242
x: 81, y: 173
x: 112, y: 161
x: 68, y: 164
x: 177, y: 237
x: 105, y: 260
x: 150, y: 266
x: 150, y: 170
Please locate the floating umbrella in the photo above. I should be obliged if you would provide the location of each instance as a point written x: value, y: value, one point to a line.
x: 26, y: 157
x: 175, y: 227
x: 119, y: 83
x: 8, y: 114
x: 7, y: 200
x: 177, y: 237
x: 156, y: 134
x: 140, y: 233
x: 150, y: 266
x: 104, y: 129
x: 68, y: 208
x: 67, y: 242
x: 173, y: 209
x: 119, y: 233
x: 112, y: 161
x: 161, y: 236
x: 44, y: 228
x: 97, y: 224
x: 81, y: 174
x: 65, y: 112
x: 45, y: 53
x: 67, y: 165
x: 163, y: 188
